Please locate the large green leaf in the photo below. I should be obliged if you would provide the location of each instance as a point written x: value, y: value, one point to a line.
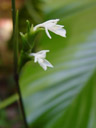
x: 64, y: 96
x: 82, y: 112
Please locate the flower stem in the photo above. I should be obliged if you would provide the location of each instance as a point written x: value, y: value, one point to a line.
x: 16, y: 75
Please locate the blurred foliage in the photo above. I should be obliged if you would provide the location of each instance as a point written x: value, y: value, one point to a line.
x: 32, y: 12
x: 9, y: 119
x: 64, y: 96
x: 3, y: 121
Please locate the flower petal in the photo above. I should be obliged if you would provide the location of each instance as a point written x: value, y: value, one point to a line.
x: 42, y: 64
x: 47, y: 63
x: 40, y: 58
x: 46, y: 30
x: 37, y: 26
x: 54, y: 21
x: 59, y: 31
x: 43, y: 51
x: 42, y: 54
x: 59, y: 26
x: 47, y: 23
x: 35, y: 56
x: 32, y: 54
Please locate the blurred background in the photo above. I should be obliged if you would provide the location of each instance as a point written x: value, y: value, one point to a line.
x: 9, y: 116
x: 63, y: 97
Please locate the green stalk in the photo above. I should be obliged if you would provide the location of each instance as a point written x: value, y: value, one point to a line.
x: 16, y: 75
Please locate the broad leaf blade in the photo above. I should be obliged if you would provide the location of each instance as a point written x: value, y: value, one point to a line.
x: 48, y: 95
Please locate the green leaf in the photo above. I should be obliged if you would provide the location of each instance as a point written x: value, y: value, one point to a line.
x: 65, y: 95
x: 9, y: 101
x: 81, y: 113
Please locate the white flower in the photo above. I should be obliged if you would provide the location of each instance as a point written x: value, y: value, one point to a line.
x: 40, y: 58
x: 53, y: 27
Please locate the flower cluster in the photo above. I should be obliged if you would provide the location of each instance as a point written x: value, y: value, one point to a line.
x: 52, y: 26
